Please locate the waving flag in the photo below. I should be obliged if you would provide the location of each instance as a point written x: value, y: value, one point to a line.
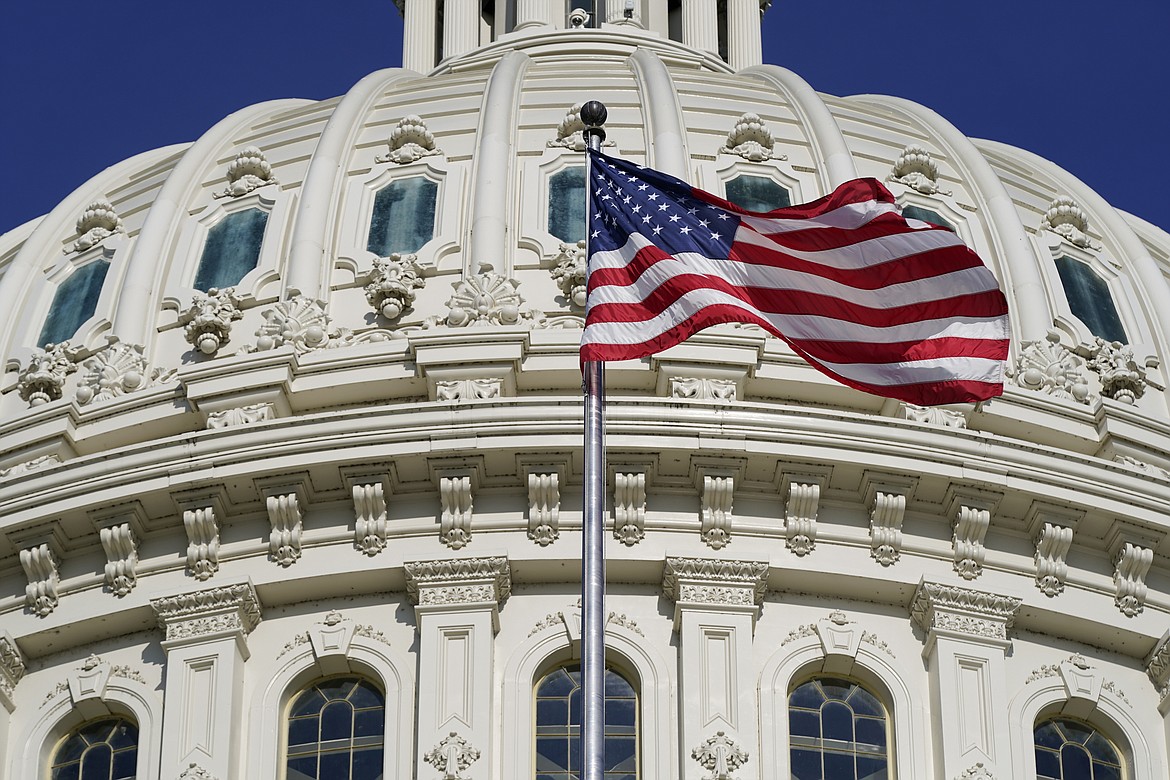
x: 895, y: 307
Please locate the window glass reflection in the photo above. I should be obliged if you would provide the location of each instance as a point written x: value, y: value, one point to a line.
x: 336, y: 731
x: 558, y: 726
x: 838, y: 732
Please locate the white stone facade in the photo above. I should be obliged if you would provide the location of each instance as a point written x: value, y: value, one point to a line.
x: 376, y: 468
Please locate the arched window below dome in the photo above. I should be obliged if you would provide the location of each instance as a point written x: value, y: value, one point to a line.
x: 231, y: 250
x: 404, y: 216
x: 102, y: 750
x: 1089, y: 299
x: 926, y: 215
x: 558, y: 725
x: 838, y: 729
x: 757, y: 193
x: 74, y: 302
x: 566, y: 204
x: 1071, y: 750
x: 336, y: 730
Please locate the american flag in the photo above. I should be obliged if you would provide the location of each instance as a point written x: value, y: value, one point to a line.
x: 892, y: 306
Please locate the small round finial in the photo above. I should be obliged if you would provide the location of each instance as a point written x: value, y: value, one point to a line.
x: 594, y: 113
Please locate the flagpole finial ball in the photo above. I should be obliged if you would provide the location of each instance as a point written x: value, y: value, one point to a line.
x: 594, y: 113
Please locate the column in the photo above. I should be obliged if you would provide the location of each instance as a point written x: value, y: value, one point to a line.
x: 460, y: 27
x: 700, y: 25
x: 418, y: 35
x: 206, y: 647
x: 966, y: 644
x: 716, y: 603
x: 457, y: 610
x: 744, y: 48
x: 531, y: 13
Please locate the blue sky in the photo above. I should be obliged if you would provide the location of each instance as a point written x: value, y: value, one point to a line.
x: 86, y: 84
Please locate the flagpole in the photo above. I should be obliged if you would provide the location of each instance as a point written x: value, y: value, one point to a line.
x: 593, y: 115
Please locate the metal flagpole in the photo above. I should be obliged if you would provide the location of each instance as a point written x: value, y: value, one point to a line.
x: 593, y: 115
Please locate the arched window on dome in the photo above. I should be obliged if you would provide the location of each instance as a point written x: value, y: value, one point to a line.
x: 404, y: 216
x: 101, y: 750
x: 558, y: 725
x: 566, y: 204
x: 757, y: 193
x: 74, y: 302
x: 1072, y: 750
x: 336, y: 729
x: 925, y: 215
x: 837, y: 729
x: 1089, y: 299
x: 232, y: 249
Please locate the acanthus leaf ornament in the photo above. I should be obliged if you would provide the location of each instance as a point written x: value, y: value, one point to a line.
x: 721, y: 755
x: 702, y: 388
x: 1049, y: 367
x: 116, y: 371
x: 208, y: 323
x: 284, y: 538
x: 715, y: 514
x: 43, y: 379
x: 409, y: 141
x: 195, y: 772
x: 976, y: 772
x: 98, y: 222
x: 800, y: 516
x: 1129, y: 578
x: 885, y: 527
x: 544, y: 507
x: 202, y: 541
x: 1068, y: 220
x: 1051, y: 548
x: 569, y: 274
x: 249, y: 171
x: 916, y: 169
x: 970, y: 529
x: 455, y: 520
x: 629, y: 507
x: 41, y: 567
x: 452, y: 757
x: 392, y: 284
x: 1122, y: 378
x: 121, y: 548
x: 12, y: 665
x: 369, y: 503
x: 751, y: 139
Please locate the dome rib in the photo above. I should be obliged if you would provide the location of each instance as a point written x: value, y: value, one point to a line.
x: 307, y: 272
x: 492, y: 175
x: 828, y: 142
x: 1153, y: 287
x: 150, y: 261
x: 1022, y: 275
x: 665, y: 131
x: 16, y: 285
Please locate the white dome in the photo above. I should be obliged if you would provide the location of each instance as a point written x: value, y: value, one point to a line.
x: 316, y: 438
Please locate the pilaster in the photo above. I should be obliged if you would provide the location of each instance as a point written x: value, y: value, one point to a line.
x: 206, y: 647
x: 457, y: 609
x: 966, y: 645
x: 716, y: 603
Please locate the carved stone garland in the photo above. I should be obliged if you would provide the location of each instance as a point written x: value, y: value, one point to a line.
x: 721, y: 756
x: 751, y: 139
x: 1069, y: 221
x: 569, y: 273
x: 452, y: 757
x: 544, y: 508
x: 208, y: 323
x: 116, y: 371
x: 98, y: 222
x: 629, y: 507
x: 392, y: 284
x: 249, y: 171
x: 933, y: 415
x: 409, y: 141
x: 916, y: 169
x: 43, y: 378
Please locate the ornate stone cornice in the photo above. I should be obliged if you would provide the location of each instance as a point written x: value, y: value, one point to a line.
x: 209, y: 614
x: 459, y: 581
x: 715, y: 581
x: 11, y: 668
x: 959, y: 611
x: 1158, y: 666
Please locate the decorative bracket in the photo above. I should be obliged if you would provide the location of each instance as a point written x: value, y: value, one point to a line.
x: 41, y: 567
x: 455, y: 491
x: 284, y: 516
x: 629, y: 507
x: 715, y: 512
x: 369, y: 505
x: 800, y: 514
x: 544, y: 507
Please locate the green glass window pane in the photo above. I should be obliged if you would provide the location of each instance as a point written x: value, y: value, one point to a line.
x: 232, y: 249
x: 926, y: 215
x: 566, y: 204
x: 1089, y: 298
x: 73, y: 303
x: 404, y: 216
x: 757, y: 193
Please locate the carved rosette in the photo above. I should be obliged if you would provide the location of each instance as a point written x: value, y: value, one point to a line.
x: 729, y: 583
x: 98, y: 222
x: 121, y: 548
x: 300, y: 321
x: 208, y: 323
x: 569, y: 274
x: 751, y: 139
x: 1051, y: 548
x: 409, y: 141
x: 461, y: 581
x: 885, y: 527
x: 1068, y: 220
x: 916, y: 169
x: 1131, y: 565
x: 392, y: 284
x: 43, y: 378
x: 116, y: 371
x: 452, y: 757
x: 209, y: 614
x: 249, y: 171
x: 715, y: 510
x: 544, y: 508
x: 41, y: 567
x: 629, y: 507
x: 971, y: 613
x: 1122, y: 379
x: 1049, y: 367
x: 720, y: 755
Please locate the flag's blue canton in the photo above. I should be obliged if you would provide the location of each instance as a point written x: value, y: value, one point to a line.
x: 625, y: 198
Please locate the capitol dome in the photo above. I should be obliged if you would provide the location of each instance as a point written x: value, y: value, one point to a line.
x: 291, y: 425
